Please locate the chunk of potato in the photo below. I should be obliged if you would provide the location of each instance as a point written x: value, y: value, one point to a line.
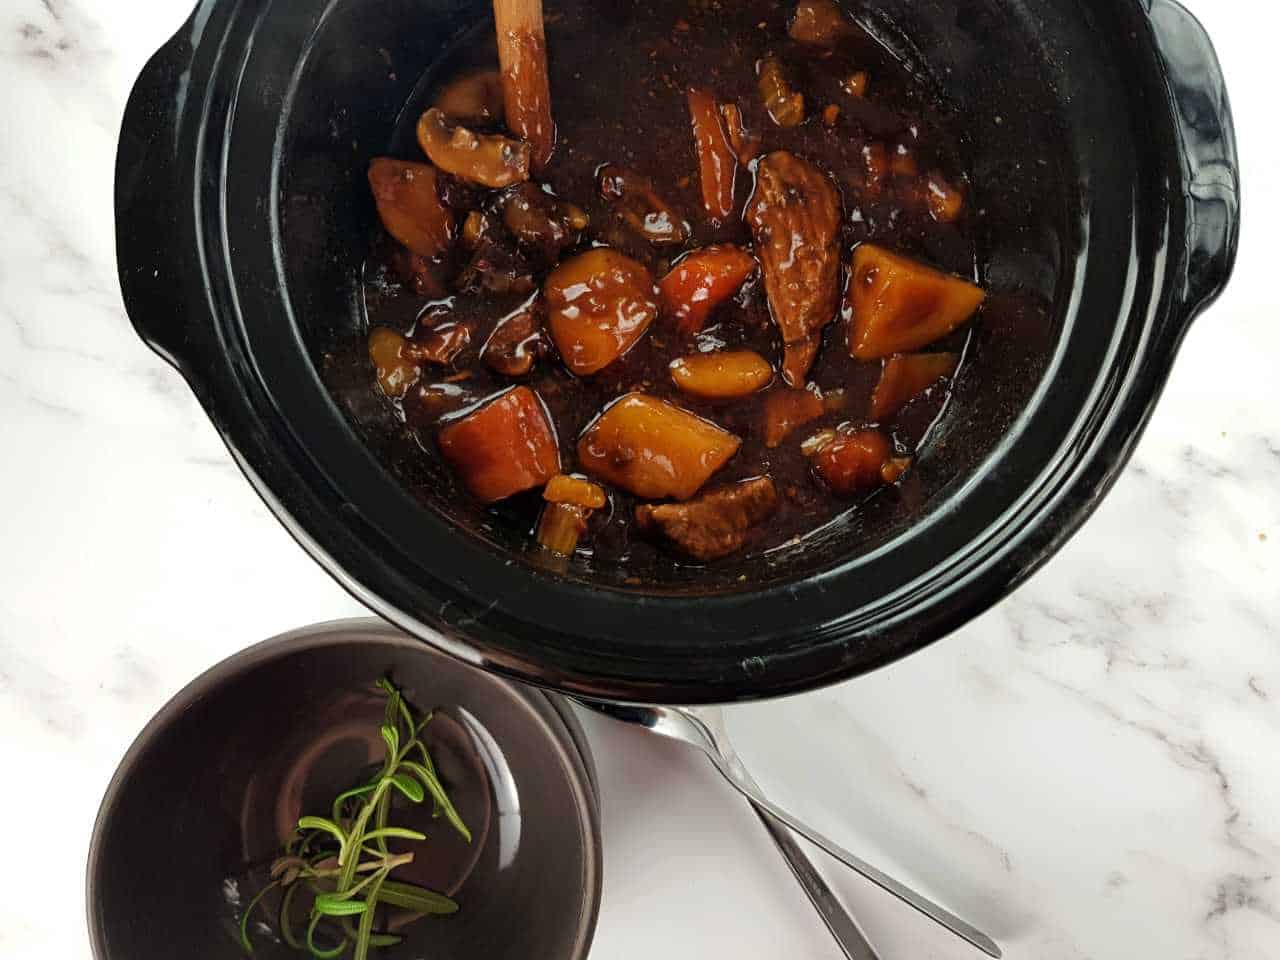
x: 786, y: 410
x: 504, y: 448
x: 703, y: 281
x: 897, y: 305
x: 487, y: 159
x: 905, y: 377
x: 409, y: 205
x: 853, y: 463
x: 599, y: 306
x: 397, y: 370
x: 654, y: 449
x: 726, y: 375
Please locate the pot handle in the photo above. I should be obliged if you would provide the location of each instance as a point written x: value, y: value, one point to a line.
x: 155, y: 197
x: 1210, y: 166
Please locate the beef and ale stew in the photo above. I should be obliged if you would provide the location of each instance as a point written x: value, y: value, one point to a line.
x: 713, y: 302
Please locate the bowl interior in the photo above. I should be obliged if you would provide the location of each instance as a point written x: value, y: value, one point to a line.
x: 213, y: 787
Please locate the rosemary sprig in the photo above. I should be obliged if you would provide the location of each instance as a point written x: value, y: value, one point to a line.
x: 343, y: 861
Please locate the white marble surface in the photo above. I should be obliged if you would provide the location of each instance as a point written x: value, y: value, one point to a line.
x: 1090, y: 771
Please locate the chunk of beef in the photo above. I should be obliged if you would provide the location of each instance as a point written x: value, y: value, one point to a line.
x: 717, y: 523
x: 795, y: 217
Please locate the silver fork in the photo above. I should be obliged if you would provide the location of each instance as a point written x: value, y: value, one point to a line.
x: 704, y: 729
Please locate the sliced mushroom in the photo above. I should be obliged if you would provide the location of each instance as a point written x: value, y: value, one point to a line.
x: 497, y: 268
x: 487, y: 159
x: 409, y: 205
x: 784, y: 103
x: 516, y: 344
x: 475, y: 98
x: 641, y: 208
x: 541, y: 221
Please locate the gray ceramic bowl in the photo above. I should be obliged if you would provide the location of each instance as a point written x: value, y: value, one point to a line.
x: 216, y: 781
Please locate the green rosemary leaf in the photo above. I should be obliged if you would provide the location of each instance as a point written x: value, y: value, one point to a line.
x: 319, y: 952
x: 345, y: 886
x: 410, y: 787
x: 286, y: 921
x: 248, y: 913
x: 365, y: 934
x: 334, y: 905
x: 391, y: 737
x: 324, y: 826
x: 342, y: 798
x: 394, y: 833
x: 426, y: 756
x: 432, y: 783
x: 408, y: 896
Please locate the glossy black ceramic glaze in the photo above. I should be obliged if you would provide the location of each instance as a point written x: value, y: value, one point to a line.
x: 243, y: 221
x: 214, y: 786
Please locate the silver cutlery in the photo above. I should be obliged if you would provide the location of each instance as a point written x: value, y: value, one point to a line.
x: 704, y: 729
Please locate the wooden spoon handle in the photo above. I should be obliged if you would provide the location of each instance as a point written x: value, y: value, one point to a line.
x: 526, y: 87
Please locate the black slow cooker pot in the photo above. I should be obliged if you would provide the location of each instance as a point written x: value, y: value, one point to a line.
x: 1102, y: 144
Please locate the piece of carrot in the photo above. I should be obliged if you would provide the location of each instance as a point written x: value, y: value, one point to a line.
x: 717, y: 163
x: 504, y: 448
x: 703, y: 281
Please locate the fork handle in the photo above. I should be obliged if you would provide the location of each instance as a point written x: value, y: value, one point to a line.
x: 878, y: 877
x: 838, y: 920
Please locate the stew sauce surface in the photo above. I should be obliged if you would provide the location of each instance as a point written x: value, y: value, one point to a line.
x: 621, y: 76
